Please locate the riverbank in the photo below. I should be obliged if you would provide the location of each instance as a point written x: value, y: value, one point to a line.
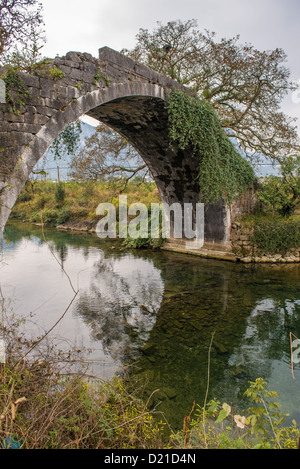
x: 266, y: 238
x: 240, y: 249
x: 72, y: 207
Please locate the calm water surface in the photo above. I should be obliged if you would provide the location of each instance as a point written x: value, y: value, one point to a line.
x: 155, y: 312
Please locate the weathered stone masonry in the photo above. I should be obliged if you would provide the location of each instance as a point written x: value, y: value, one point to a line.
x: 114, y: 89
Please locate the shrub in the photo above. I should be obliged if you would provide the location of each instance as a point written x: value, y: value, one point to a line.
x: 41, y: 202
x: 25, y: 196
x: 261, y: 426
x: 146, y: 241
x: 60, y: 194
x: 50, y: 217
x: 48, y: 403
x: 282, y: 194
x: 63, y: 215
x: 276, y: 237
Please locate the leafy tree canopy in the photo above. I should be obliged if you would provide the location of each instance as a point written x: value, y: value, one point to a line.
x: 68, y: 140
x: 245, y: 86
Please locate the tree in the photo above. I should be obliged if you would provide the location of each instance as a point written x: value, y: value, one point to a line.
x: 107, y: 155
x: 26, y: 57
x: 282, y: 194
x: 245, y: 86
x: 21, y: 25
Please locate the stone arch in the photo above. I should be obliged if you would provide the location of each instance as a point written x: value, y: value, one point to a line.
x: 85, y: 104
x: 130, y: 98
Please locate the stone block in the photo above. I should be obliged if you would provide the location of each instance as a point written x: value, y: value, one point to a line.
x: 14, y: 139
x: 45, y: 110
x: 88, y: 78
x: 11, y: 117
x: 73, y: 59
x: 28, y: 128
x: 91, y: 68
x: 54, y: 103
x: 88, y: 57
x: 73, y: 92
x: 35, y: 119
x: 46, y: 87
x: 7, y: 139
x: 76, y: 74
x: 30, y: 80
x: 110, y: 55
x: 37, y: 101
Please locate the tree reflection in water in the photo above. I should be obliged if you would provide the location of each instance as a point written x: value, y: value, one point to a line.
x: 121, y: 303
x: 158, y: 311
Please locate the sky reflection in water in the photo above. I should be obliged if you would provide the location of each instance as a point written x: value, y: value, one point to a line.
x: 159, y: 310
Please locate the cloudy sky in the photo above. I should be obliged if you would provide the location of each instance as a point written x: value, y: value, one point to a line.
x: 87, y: 25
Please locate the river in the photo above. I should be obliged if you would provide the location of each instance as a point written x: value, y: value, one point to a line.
x: 154, y: 314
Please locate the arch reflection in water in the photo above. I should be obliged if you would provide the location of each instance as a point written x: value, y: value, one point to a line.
x: 159, y: 310
x: 119, y: 293
x: 121, y: 303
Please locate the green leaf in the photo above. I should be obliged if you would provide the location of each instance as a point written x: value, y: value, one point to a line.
x: 222, y: 416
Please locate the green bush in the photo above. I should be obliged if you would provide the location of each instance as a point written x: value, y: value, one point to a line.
x: 50, y: 217
x: 25, y: 196
x: 145, y: 240
x: 276, y: 237
x: 64, y: 215
x: 60, y: 194
x: 282, y: 194
x: 140, y: 243
x: 41, y: 202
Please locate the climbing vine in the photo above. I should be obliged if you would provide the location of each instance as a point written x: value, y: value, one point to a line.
x: 223, y: 172
x: 16, y: 90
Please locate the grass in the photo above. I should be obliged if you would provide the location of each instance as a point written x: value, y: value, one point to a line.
x: 249, y: 220
x: 76, y: 201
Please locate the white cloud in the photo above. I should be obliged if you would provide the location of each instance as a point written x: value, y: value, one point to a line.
x: 89, y: 25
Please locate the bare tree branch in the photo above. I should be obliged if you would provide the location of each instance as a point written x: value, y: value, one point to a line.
x: 244, y: 85
x: 108, y: 155
x: 19, y: 21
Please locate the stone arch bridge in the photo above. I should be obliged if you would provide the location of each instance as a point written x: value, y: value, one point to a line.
x: 125, y: 95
